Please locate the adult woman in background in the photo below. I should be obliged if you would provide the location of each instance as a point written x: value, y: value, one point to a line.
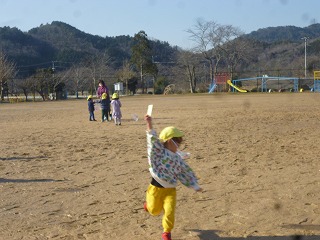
x: 102, y: 88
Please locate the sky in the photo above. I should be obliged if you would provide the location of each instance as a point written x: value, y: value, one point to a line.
x: 164, y: 20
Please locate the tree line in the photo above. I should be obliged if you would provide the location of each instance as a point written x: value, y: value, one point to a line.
x: 146, y: 64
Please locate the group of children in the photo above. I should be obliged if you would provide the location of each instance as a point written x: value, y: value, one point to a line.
x: 104, y: 100
x: 105, y: 108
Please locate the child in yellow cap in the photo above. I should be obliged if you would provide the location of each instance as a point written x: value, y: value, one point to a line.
x: 105, y: 107
x: 91, y: 108
x: 116, y: 111
x: 166, y: 167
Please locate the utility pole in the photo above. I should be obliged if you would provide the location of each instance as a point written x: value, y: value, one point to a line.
x: 51, y: 95
x: 305, y: 56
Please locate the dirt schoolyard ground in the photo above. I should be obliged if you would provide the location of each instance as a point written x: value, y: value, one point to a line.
x: 256, y: 157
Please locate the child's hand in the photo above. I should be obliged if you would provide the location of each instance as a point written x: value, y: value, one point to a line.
x: 148, y: 119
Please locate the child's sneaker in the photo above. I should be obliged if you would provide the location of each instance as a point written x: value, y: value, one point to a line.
x: 166, y: 236
x: 145, y: 206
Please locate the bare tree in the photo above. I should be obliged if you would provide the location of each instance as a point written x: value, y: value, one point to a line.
x: 40, y: 82
x: 209, y: 37
x: 205, y: 35
x: 234, y: 52
x: 125, y: 74
x: 7, y: 71
x: 233, y: 48
x: 77, y: 79
x: 99, y: 68
x: 25, y: 86
x: 188, y: 61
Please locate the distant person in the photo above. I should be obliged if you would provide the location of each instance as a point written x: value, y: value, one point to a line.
x: 91, y: 108
x: 102, y: 88
x: 166, y: 167
x: 116, y: 111
x: 105, y: 107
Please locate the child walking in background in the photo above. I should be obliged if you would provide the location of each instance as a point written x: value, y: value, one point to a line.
x: 166, y: 167
x: 105, y: 107
x: 116, y: 111
x: 91, y: 108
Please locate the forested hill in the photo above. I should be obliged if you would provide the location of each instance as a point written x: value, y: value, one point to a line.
x: 59, y: 41
x: 285, y: 33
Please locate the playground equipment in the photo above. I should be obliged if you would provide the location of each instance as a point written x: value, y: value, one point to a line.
x: 212, y: 87
x: 219, y: 84
x: 316, y: 81
x: 235, y: 87
x: 169, y: 89
x: 264, y: 79
x: 222, y: 80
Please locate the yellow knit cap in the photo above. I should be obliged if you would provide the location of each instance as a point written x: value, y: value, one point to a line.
x: 170, y: 132
x: 104, y: 96
x: 115, y: 95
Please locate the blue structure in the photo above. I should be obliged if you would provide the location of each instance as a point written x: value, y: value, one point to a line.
x: 265, y: 79
x: 316, y: 86
x: 212, y: 87
x: 316, y: 82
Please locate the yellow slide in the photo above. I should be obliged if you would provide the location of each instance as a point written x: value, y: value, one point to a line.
x: 235, y: 87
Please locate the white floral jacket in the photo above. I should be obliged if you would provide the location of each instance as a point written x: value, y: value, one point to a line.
x: 167, y: 167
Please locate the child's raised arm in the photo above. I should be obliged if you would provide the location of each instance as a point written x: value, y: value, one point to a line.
x: 148, y: 119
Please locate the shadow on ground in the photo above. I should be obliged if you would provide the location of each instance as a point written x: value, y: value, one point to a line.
x: 22, y: 158
x: 212, y: 234
x: 6, y: 180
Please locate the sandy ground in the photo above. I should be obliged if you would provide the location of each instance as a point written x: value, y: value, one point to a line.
x: 256, y: 157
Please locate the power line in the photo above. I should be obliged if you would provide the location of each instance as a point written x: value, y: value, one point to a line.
x: 44, y: 63
x: 34, y: 65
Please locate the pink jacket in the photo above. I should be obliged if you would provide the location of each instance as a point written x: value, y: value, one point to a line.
x: 102, y: 89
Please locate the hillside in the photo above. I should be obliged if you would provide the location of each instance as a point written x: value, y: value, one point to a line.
x: 273, y: 50
x: 61, y: 42
x: 285, y: 33
x: 284, y: 57
x: 23, y: 48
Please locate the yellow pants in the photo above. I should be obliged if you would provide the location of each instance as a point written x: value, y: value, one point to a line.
x: 159, y: 199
